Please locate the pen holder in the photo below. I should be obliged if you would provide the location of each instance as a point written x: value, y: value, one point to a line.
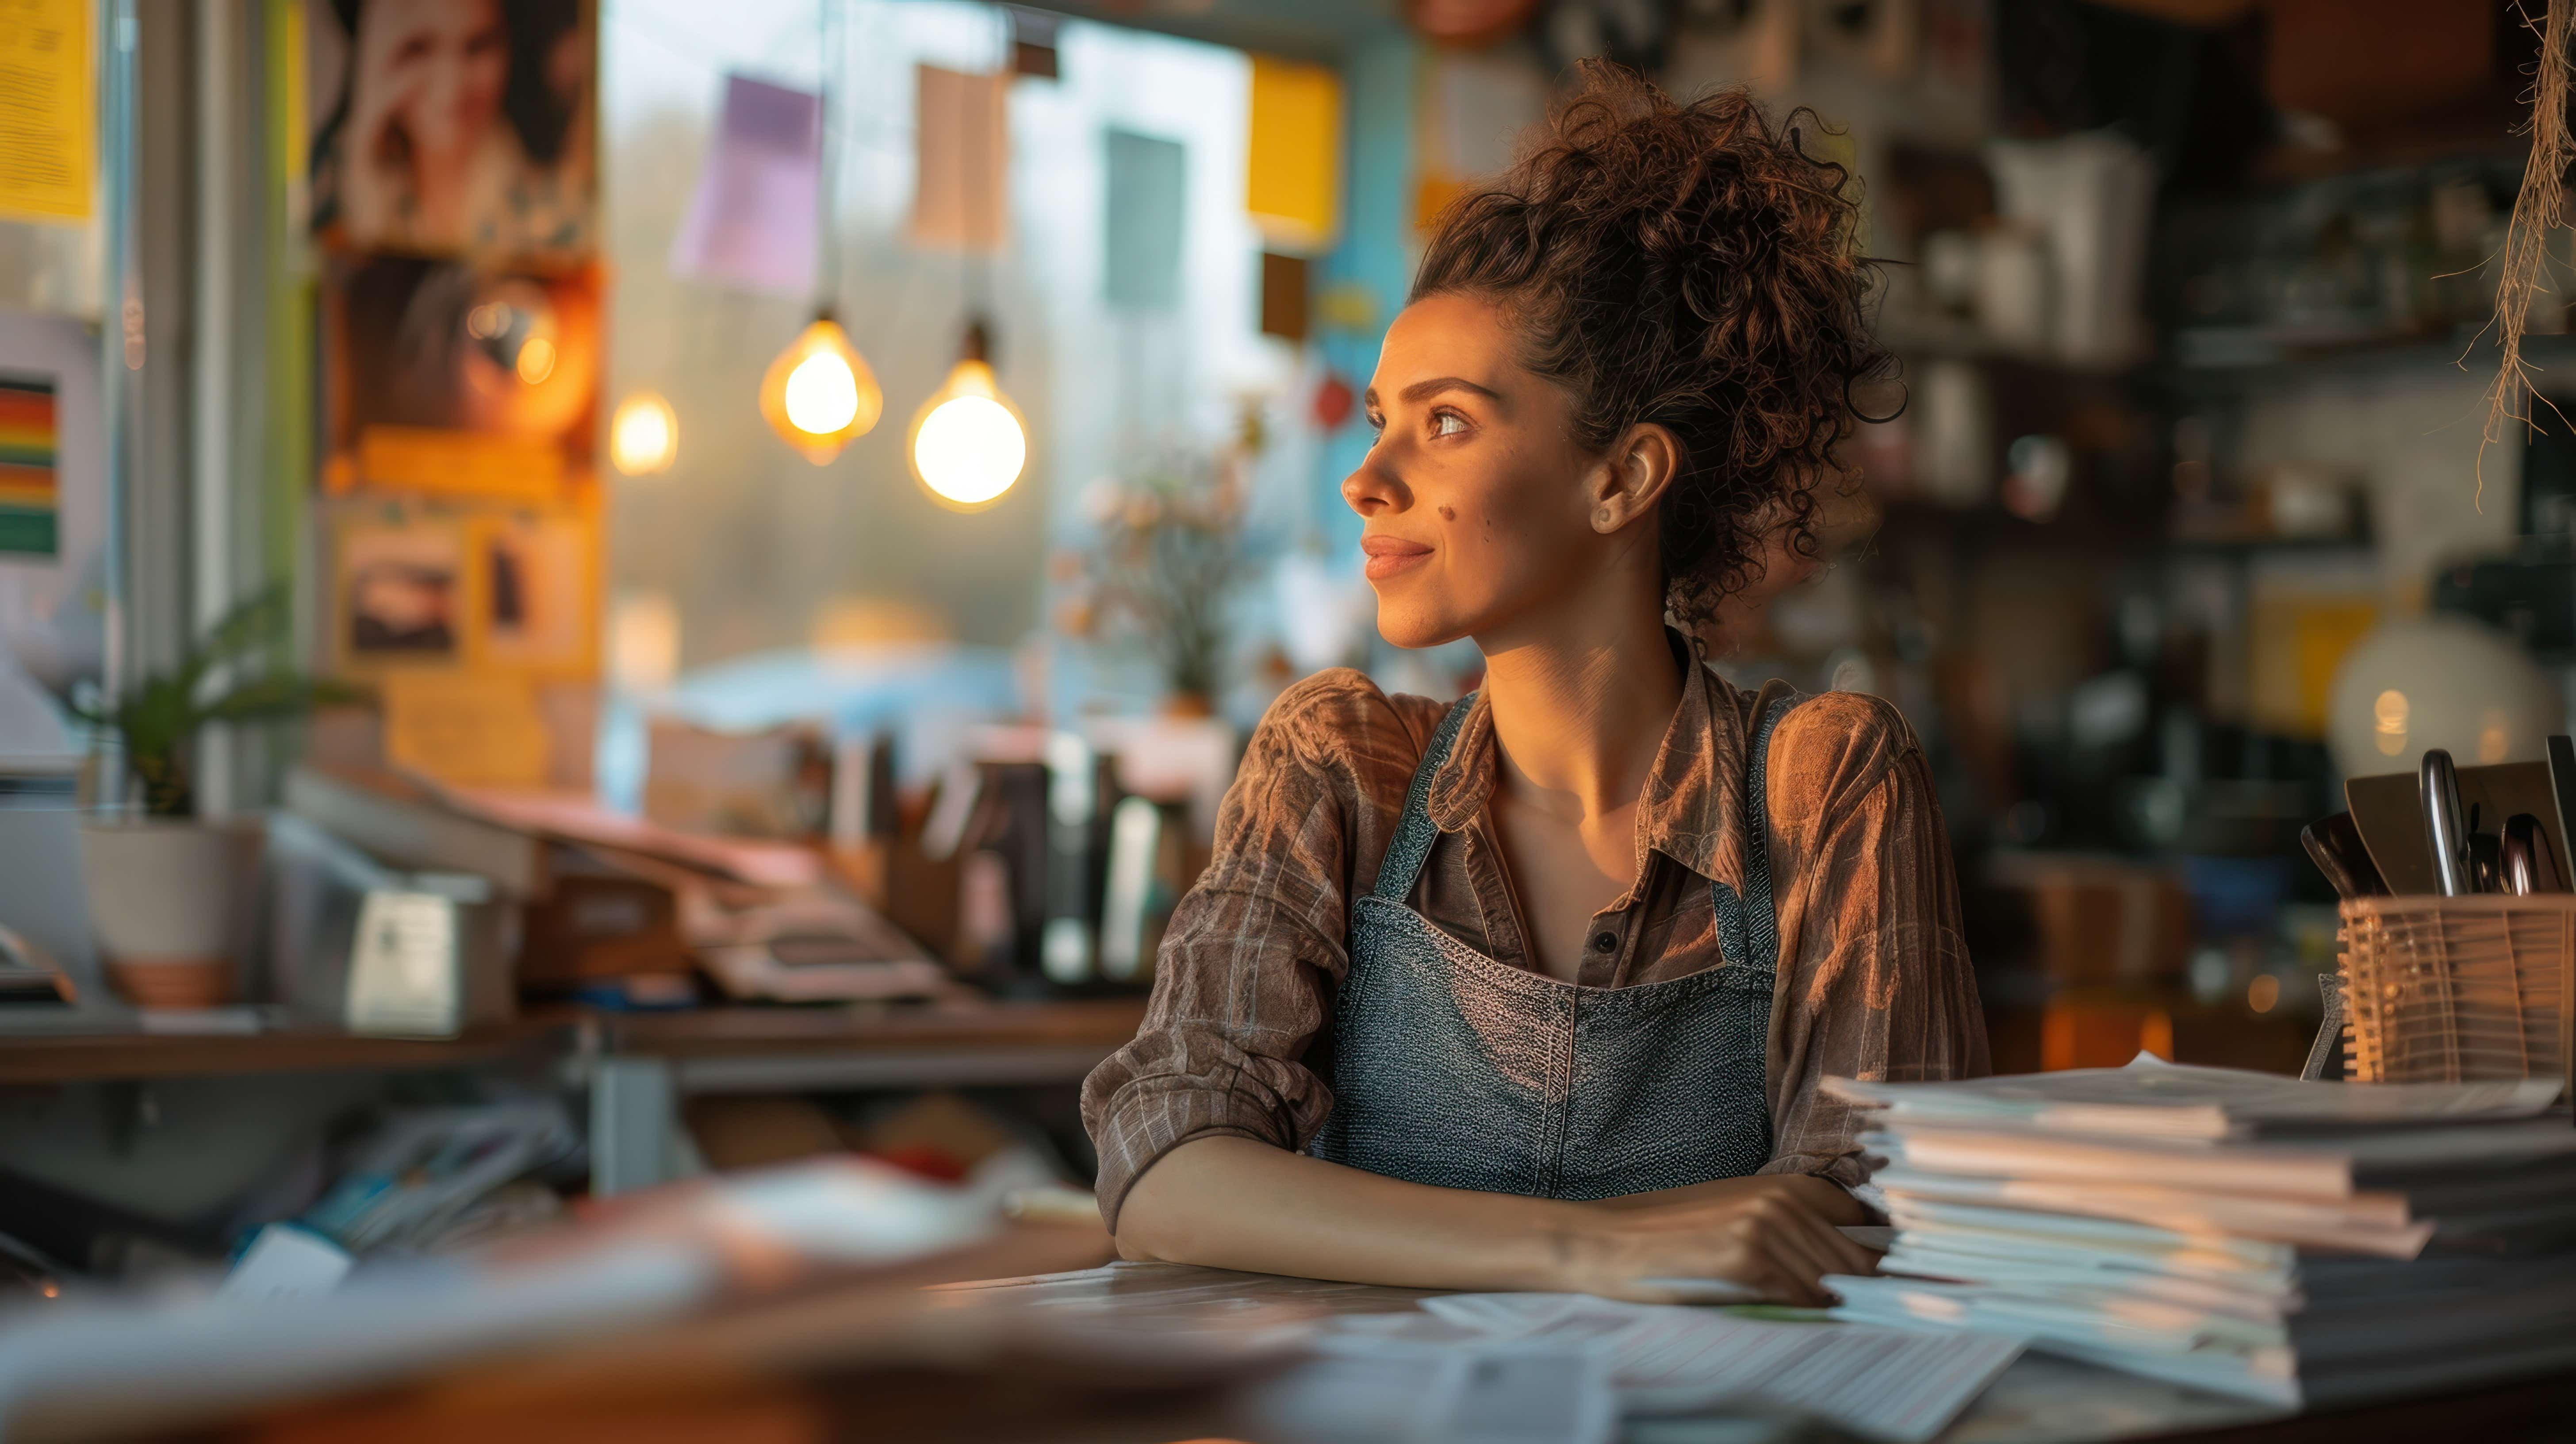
x: 2456, y: 989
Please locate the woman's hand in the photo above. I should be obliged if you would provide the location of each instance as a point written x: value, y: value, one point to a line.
x: 1767, y: 1233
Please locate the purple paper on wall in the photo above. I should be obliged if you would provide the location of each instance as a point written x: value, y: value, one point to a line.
x: 751, y: 223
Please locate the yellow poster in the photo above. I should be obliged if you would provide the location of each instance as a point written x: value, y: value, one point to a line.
x: 48, y: 123
x: 466, y: 729
x: 1293, y: 171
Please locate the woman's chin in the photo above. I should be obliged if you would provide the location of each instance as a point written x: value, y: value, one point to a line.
x: 1402, y: 627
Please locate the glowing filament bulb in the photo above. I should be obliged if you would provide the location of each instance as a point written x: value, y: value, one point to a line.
x: 822, y: 395
x: 644, y: 435
x: 968, y: 443
x: 819, y: 395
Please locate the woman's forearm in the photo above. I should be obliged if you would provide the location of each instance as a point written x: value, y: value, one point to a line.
x: 1827, y: 1198
x: 1234, y: 1203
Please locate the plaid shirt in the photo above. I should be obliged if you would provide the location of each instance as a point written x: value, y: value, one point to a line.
x: 1873, y: 980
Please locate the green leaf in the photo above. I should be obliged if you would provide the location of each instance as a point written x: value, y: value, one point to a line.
x: 252, y: 623
x: 159, y: 715
x: 268, y: 699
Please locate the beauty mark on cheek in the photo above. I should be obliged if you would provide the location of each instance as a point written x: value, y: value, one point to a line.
x: 1448, y: 513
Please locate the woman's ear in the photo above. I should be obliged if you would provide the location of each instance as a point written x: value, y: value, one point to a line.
x: 1634, y: 476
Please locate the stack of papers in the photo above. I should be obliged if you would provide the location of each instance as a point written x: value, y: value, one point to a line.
x: 2287, y: 1241
x: 1901, y: 1385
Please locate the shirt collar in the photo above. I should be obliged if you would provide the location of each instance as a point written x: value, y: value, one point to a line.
x: 1693, y: 793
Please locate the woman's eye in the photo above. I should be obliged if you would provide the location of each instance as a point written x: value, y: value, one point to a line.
x: 1448, y: 423
x: 1376, y: 424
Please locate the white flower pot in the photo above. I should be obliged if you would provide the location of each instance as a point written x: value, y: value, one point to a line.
x: 169, y: 899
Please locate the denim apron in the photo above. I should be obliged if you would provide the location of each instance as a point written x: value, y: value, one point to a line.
x: 1450, y: 1068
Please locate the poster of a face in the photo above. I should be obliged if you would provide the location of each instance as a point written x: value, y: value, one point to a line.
x: 448, y: 126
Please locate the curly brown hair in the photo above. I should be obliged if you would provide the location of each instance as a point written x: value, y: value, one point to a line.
x: 1693, y: 267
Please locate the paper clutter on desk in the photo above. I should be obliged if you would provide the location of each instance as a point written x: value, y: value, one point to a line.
x: 1897, y: 1385
x: 2288, y: 1241
x: 109, y: 1363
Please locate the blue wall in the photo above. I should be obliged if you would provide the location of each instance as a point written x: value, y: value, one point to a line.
x: 1376, y: 252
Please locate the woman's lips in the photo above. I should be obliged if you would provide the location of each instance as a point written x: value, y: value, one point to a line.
x: 1388, y: 555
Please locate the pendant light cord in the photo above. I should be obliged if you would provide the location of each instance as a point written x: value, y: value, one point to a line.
x: 977, y: 282
x: 827, y: 254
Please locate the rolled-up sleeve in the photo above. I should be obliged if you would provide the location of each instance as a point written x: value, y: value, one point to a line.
x: 1248, y: 966
x: 1875, y: 979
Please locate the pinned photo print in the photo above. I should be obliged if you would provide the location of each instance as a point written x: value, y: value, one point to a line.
x: 401, y: 591
x: 453, y: 126
x: 442, y: 345
x: 538, y: 607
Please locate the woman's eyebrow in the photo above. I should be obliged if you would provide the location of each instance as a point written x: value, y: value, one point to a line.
x: 1421, y: 390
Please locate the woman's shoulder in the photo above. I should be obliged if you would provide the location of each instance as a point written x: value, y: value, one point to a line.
x: 1834, y: 746
x: 1851, y: 720
x: 1341, y: 713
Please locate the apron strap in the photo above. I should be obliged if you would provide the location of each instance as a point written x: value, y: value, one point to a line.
x: 1748, y: 929
x: 1414, y: 833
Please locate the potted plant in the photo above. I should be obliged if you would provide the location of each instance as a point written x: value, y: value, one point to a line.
x: 167, y: 890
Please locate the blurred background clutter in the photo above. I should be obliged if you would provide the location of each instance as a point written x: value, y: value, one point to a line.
x: 599, y: 590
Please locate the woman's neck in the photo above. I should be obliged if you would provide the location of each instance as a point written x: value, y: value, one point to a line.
x: 1580, y: 703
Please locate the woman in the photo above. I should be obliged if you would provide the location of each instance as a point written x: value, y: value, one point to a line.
x: 1535, y: 991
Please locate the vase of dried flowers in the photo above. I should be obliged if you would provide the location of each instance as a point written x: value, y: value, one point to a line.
x: 1161, y: 572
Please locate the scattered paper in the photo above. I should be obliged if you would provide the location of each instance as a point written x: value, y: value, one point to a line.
x: 1479, y: 104
x: 751, y: 223
x: 962, y: 136
x: 51, y: 148
x: 286, y: 1261
x: 1292, y: 169
x: 1893, y: 1384
x: 1368, y: 1388
x: 467, y: 729
x: 578, y: 818
x: 1147, y: 203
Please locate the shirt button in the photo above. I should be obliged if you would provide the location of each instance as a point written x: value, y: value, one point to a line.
x: 1604, y: 942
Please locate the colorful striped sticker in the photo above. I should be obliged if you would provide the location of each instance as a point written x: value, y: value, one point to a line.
x: 30, y: 506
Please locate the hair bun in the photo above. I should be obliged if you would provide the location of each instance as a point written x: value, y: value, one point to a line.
x: 1692, y: 267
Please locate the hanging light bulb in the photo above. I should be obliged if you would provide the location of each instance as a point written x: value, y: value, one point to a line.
x: 819, y: 394
x: 643, y: 435
x: 968, y: 443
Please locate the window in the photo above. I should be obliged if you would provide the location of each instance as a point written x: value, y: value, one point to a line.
x: 751, y: 547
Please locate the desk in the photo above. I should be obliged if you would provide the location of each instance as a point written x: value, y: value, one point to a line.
x: 2039, y: 1400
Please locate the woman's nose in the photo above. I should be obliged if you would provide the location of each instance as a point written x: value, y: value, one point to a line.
x: 1372, y: 489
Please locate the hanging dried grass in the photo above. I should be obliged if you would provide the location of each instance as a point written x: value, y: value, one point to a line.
x: 2539, y: 210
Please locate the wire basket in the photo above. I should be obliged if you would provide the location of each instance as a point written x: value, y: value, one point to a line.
x: 2457, y: 989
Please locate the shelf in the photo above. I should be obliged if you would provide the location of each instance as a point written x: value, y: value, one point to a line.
x: 759, y: 1050
x: 713, y: 1049
x: 2255, y: 546
x: 1917, y: 338
x: 2236, y: 357
x: 103, y: 1057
